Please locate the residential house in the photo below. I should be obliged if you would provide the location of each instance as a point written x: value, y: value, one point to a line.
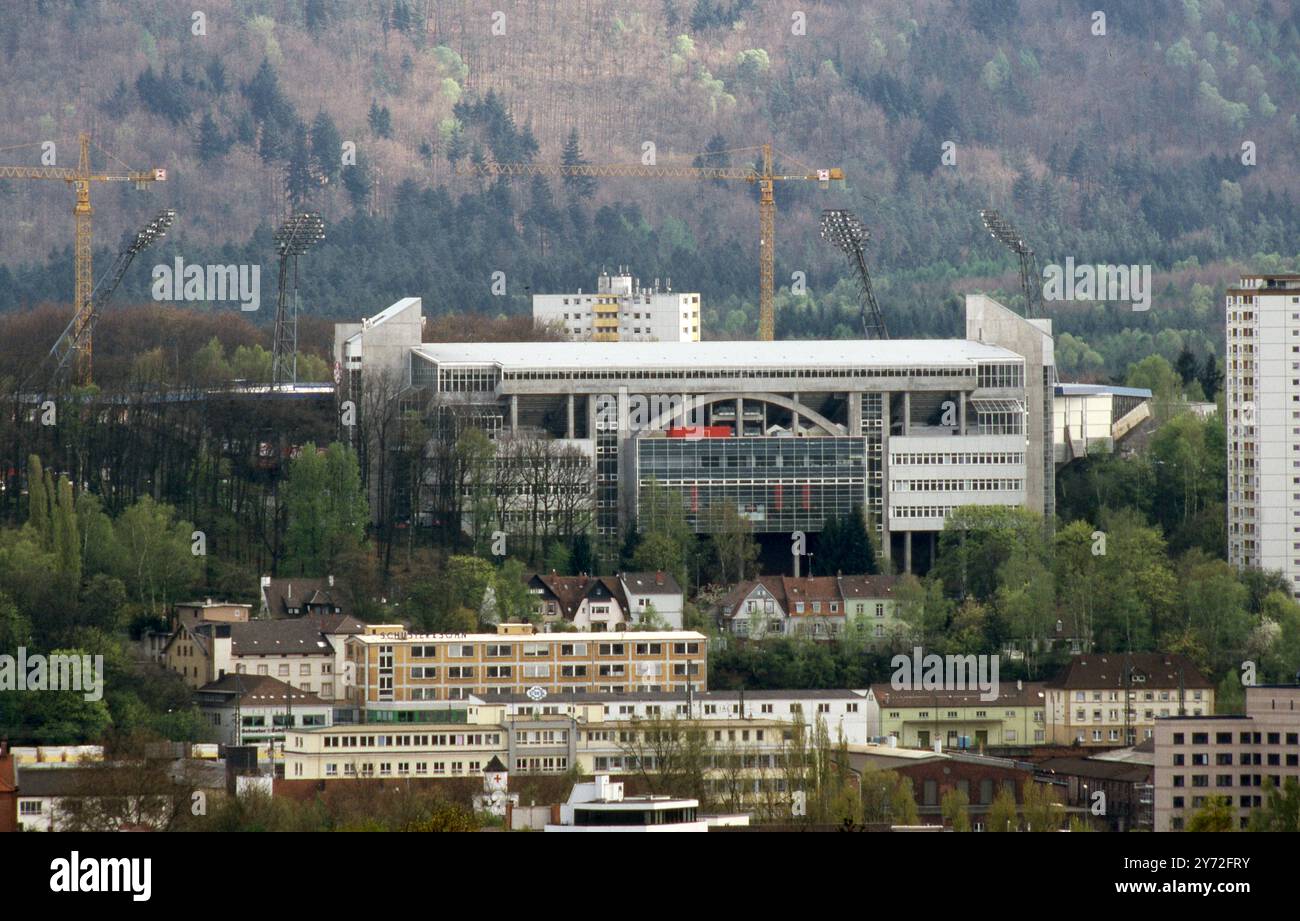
x: 248, y: 709
x: 822, y: 607
x: 657, y: 591
x: 1114, y: 699
x: 296, y: 597
x: 592, y: 603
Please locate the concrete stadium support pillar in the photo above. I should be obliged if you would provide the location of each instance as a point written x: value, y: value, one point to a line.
x: 907, y: 430
x: 569, y: 427
x: 855, y: 413
x: 907, y: 551
x: 514, y: 413
x: 740, y: 417
x: 591, y: 415
x: 961, y: 414
x: 794, y: 414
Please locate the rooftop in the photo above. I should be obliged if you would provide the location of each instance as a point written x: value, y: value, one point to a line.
x: 619, y: 636
x: 748, y: 354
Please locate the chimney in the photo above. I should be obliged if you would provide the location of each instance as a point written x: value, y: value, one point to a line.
x: 659, y: 577
x: 288, y: 592
x: 331, y: 579
x: 1020, y: 685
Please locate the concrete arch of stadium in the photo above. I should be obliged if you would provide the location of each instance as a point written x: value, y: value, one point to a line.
x: 665, y: 418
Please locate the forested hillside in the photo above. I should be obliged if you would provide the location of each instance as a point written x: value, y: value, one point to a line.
x: 1125, y: 147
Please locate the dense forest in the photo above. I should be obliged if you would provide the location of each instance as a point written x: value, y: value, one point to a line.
x: 1167, y: 138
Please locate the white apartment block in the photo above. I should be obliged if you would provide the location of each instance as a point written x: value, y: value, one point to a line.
x: 1262, y: 403
x: 621, y: 310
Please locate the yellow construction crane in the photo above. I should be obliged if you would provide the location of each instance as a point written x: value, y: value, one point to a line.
x: 765, y: 178
x: 80, y: 179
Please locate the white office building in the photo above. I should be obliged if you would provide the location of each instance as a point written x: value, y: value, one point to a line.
x: 1262, y: 403
x: 622, y: 310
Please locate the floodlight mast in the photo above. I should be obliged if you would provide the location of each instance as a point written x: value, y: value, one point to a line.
x: 296, y: 235
x: 1005, y: 233
x: 843, y: 228
x: 70, y: 348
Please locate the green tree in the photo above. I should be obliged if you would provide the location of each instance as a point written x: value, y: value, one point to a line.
x: 67, y: 544
x: 1281, y: 809
x: 156, y: 562
x: 514, y: 602
x: 1002, y: 815
x: 1041, y: 811
x: 326, y: 507
x: 578, y: 186
x: 955, y: 809
x: 1214, y: 815
x: 39, y: 501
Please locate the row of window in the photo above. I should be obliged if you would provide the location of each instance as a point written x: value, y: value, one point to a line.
x: 957, y: 457
x: 543, y: 650
x: 421, y: 740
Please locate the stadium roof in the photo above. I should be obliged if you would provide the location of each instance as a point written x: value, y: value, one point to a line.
x: 744, y: 354
x: 1081, y: 390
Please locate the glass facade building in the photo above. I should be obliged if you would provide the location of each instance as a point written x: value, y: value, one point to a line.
x: 780, y: 484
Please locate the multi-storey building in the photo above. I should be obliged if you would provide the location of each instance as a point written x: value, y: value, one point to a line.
x: 1115, y: 699
x: 919, y: 718
x: 741, y: 760
x: 1262, y: 403
x: 305, y: 651
x: 398, y: 674
x: 823, y: 607
x: 622, y: 310
x: 248, y: 709
x: 1233, y: 757
x: 845, y: 714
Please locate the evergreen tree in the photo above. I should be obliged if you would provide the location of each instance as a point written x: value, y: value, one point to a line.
x: 326, y: 146
x: 1210, y: 376
x: 316, y: 17
x: 38, y: 503
x: 299, y: 181
x: 577, y: 186
x: 1185, y: 365
x: 211, y: 144
x: 358, y: 182
x: 67, y: 544
x: 857, y: 550
x: 380, y: 120
x: 263, y: 93
x: 580, y: 556
x: 828, y: 558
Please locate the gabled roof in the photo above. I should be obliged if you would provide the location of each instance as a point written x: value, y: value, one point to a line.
x: 256, y: 691
x: 651, y: 583
x: 282, y: 594
x: 1093, y: 672
x: 787, y: 591
x: 198, y: 637
x: 570, y: 591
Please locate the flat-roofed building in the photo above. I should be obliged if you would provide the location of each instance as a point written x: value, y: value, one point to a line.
x: 401, y: 672
x: 1233, y: 757
x: 1261, y: 386
x: 621, y: 309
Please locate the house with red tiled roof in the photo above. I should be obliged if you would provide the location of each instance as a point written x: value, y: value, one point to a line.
x: 822, y: 607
